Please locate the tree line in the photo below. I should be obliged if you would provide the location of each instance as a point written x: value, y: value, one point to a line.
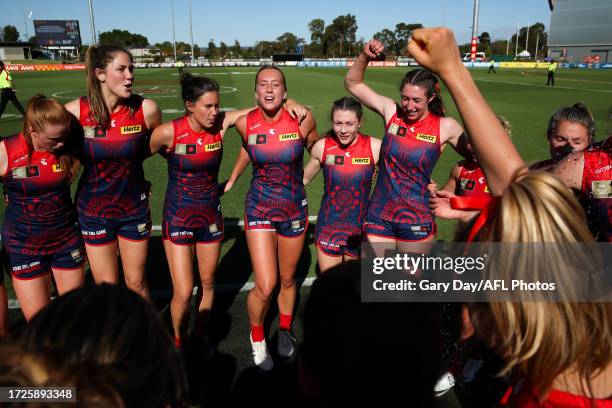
x: 336, y: 39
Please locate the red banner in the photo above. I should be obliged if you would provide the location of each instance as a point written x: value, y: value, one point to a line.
x: 44, y: 67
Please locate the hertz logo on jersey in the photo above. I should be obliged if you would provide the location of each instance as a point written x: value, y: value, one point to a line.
x: 427, y: 138
x: 57, y: 168
x: 361, y: 160
x: 212, y: 147
x: 126, y: 130
x: 288, y: 136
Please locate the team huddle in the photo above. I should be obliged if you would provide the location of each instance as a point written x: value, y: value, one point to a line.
x: 111, y: 131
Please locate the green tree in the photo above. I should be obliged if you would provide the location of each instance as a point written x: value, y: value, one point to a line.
x: 237, y: 49
x: 286, y: 43
x: 402, y: 32
x: 123, y: 38
x: 223, y: 49
x: 316, y: 28
x: 484, y: 39
x: 344, y: 29
x: 10, y: 33
x: 388, y: 39
x: 211, y: 52
x: 537, y: 33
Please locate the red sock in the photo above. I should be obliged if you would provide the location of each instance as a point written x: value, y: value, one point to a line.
x: 257, y: 333
x: 285, y: 321
x: 177, y: 342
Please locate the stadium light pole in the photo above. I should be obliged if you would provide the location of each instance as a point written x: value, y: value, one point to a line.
x: 92, y: 24
x: 191, y: 31
x: 518, y: 25
x: 537, y: 43
x: 527, y: 38
x: 173, y: 31
x: 474, y: 31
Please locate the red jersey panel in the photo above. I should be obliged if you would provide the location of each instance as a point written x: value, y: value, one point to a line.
x: 347, y: 177
x: 409, y: 153
x: 40, y: 218
x: 277, y: 151
x: 192, y: 196
x: 526, y: 397
x: 597, y: 188
x: 472, y: 182
x: 113, y: 185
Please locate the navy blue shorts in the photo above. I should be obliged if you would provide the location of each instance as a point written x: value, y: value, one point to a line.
x: 290, y: 229
x: 26, y: 267
x: 399, y: 231
x: 99, y: 231
x: 190, y: 236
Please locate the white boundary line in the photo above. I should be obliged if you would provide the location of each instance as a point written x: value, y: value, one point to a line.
x: 541, y: 85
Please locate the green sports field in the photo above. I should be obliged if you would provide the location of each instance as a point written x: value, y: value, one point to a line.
x: 519, y: 95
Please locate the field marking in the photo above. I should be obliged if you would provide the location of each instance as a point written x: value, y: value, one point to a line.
x: 59, y: 94
x: 220, y: 73
x: 154, y: 88
x: 568, y: 79
x: 228, y: 89
x: 541, y: 85
x: 11, y: 115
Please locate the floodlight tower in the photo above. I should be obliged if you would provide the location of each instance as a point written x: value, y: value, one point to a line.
x: 191, y: 30
x: 474, y: 31
x: 173, y: 31
x: 92, y: 24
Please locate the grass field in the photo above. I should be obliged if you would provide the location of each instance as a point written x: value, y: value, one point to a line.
x: 520, y: 95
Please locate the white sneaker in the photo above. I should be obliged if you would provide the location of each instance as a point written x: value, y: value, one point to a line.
x: 444, y: 383
x: 286, y: 343
x: 261, y: 356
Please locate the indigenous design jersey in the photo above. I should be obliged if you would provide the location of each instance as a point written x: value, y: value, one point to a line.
x: 113, y: 183
x: 597, y: 188
x: 407, y: 156
x: 40, y: 218
x: 192, y: 196
x: 276, y: 151
x: 472, y: 182
x: 347, y: 175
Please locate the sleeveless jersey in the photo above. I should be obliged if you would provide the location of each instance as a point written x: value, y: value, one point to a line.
x: 192, y: 196
x: 40, y: 218
x: 597, y: 188
x: 408, y: 155
x: 472, y: 182
x: 112, y: 184
x: 347, y: 177
x: 276, y: 151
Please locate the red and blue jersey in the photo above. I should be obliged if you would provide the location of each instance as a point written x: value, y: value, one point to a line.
x: 408, y: 152
x: 347, y: 177
x: 276, y: 151
x: 597, y: 188
x: 112, y: 185
x: 472, y: 181
x: 40, y: 217
x: 192, y: 196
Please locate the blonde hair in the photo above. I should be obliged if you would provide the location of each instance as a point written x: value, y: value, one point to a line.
x: 98, y: 57
x: 43, y: 111
x: 541, y: 340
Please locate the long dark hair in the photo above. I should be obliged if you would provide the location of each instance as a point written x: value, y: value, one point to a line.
x: 429, y: 82
x: 193, y: 87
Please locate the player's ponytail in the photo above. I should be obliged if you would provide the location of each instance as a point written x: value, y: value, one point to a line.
x: 98, y: 57
x: 40, y: 113
x: 429, y: 82
x: 193, y: 87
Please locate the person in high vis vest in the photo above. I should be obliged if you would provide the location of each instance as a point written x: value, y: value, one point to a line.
x: 552, y: 67
x: 7, y: 91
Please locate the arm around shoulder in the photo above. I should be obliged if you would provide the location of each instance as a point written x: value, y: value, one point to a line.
x: 74, y: 107
x: 152, y: 114
x: 162, y: 136
x: 375, y: 144
x: 314, y: 164
x: 309, y: 130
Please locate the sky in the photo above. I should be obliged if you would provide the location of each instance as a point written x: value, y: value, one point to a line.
x: 250, y: 21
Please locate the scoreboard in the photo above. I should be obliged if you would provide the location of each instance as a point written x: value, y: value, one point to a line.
x: 57, y: 33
